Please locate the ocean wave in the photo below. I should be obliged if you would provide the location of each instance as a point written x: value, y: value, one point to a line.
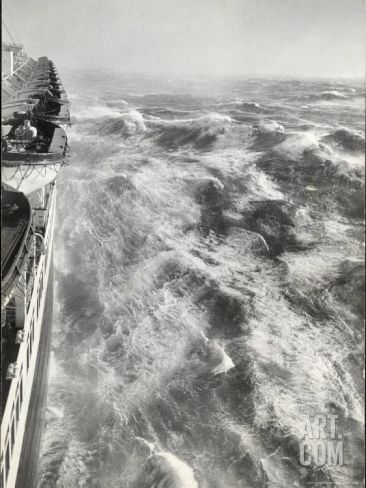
x: 251, y: 107
x: 268, y: 133
x: 118, y: 184
x: 168, y: 113
x: 219, y: 361
x: 299, y: 144
x: 212, y: 354
x: 166, y: 470
x: 346, y: 139
x: 269, y: 127
x: 350, y: 284
x: 332, y: 95
x: 171, y: 323
x: 126, y: 124
x: 210, y: 196
x: 200, y: 133
x: 227, y: 310
x: 53, y: 413
x: 275, y: 221
x: 312, y: 151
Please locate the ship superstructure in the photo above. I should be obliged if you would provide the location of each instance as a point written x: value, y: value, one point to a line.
x: 35, y: 113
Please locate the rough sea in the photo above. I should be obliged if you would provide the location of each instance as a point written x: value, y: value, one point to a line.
x: 208, y: 283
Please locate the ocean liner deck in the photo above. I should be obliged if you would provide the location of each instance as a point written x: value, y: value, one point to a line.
x: 30, y: 164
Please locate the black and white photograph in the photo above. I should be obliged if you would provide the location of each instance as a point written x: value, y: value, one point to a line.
x: 182, y: 243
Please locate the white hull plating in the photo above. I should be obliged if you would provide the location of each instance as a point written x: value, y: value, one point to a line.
x: 16, y: 410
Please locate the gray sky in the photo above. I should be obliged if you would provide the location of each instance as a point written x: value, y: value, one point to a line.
x: 245, y: 37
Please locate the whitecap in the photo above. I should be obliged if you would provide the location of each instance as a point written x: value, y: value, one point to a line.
x: 270, y: 126
x: 219, y: 361
x: 54, y: 413
x: 166, y: 469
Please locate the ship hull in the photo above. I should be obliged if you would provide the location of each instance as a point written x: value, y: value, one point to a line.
x: 30, y: 167
x: 34, y: 426
x: 29, y: 381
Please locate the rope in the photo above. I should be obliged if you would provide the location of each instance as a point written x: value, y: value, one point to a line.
x: 10, y: 18
x: 7, y: 30
x: 24, y: 170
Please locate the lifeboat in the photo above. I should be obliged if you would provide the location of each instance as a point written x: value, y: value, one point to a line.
x: 38, y: 105
x: 42, y: 97
x: 28, y: 166
x: 15, y: 237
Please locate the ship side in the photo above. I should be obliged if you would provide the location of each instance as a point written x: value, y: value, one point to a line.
x: 29, y: 171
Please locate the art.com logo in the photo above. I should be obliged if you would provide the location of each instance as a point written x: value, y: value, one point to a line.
x: 321, y: 444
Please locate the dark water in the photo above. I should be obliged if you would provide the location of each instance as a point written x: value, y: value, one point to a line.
x: 209, y: 275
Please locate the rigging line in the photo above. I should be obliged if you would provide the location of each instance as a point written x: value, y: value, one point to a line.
x: 7, y: 30
x: 10, y: 18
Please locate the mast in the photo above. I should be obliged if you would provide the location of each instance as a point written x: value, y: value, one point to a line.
x: 13, y: 53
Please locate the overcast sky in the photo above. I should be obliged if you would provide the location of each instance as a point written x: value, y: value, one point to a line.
x: 245, y: 37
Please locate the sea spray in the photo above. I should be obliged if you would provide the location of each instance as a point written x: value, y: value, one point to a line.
x: 207, y: 267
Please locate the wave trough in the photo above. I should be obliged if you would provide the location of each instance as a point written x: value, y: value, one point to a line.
x: 208, y: 272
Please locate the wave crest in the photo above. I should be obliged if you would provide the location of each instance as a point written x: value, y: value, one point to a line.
x: 126, y: 124
x: 200, y: 133
x: 346, y: 139
x: 165, y: 469
x: 332, y: 95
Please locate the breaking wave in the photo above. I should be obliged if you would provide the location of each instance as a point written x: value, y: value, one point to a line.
x: 208, y: 276
x: 128, y: 123
x: 200, y: 133
x: 347, y: 140
x: 332, y: 95
x: 166, y: 470
x: 333, y: 153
